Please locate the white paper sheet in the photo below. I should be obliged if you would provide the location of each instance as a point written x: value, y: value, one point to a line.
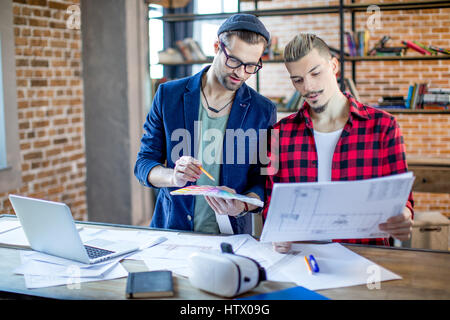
x: 224, y: 223
x: 174, y: 253
x: 72, y: 282
x: 42, y: 270
x: 339, y: 267
x: 335, y: 210
x: 7, y: 225
x: 15, y: 237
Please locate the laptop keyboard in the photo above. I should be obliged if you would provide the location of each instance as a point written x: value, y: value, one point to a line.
x: 94, y: 252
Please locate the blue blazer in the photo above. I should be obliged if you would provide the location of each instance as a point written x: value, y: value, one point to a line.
x: 175, y: 106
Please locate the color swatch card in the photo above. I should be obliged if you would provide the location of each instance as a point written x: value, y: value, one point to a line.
x: 215, y: 192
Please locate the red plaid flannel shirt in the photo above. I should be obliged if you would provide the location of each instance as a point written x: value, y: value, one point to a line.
x: 371, y: 145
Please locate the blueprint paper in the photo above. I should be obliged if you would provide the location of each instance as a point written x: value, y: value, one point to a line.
x: 335, y: 210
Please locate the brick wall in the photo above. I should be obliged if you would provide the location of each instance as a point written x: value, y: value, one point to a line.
x: 50, y: 105
x: 425, y: 135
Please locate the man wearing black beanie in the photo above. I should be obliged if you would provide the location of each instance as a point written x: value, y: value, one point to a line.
x: 215, y: 100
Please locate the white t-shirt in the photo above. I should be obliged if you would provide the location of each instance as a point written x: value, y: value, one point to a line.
x: 325, y: 145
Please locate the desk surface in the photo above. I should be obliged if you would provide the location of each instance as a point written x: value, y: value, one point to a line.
x: 426, y: 275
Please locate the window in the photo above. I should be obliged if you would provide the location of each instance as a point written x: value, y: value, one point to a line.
x: 10, y: 166
x: 156, y: 40
x: 3, y: 163
x: 205, y: 31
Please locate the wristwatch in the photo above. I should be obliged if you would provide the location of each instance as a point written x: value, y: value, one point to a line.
x: 243, y: 213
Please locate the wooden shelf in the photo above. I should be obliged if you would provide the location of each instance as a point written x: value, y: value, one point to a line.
x: 415, y: 111
x: 347, y: 58
x: 393, y: 111
x: 259, y: 13
x: 408, y: 5
x: 354, y: 7
x: 396, y: 58
x: 186, y: 63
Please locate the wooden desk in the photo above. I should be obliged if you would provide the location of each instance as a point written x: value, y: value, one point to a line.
x: 426, y: 275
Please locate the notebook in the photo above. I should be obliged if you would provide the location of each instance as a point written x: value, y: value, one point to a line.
x: 149, y: 284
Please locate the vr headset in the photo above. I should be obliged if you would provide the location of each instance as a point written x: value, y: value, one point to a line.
x: 225, y: 274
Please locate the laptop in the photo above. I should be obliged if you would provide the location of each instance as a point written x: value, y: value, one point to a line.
x: 50, y: 228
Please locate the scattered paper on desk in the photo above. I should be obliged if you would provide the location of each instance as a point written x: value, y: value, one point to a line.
x: 15, y: 237
x: 73, y: 281
x: 8, y: 225
x: 335, y: 210
x: 212, y: 191
x: 42, y: 270
x: 339, y: 267
x: 173, y: 254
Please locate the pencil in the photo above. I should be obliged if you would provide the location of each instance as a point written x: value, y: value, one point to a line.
x: 207, y: 174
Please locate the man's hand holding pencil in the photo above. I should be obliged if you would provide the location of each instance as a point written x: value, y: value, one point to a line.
x: 187, y: 169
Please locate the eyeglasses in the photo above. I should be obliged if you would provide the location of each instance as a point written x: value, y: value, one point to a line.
x: 234, y: 63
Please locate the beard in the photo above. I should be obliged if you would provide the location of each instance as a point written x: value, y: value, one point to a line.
x: 226, y: 82
x: 316, y: 109
x: 320, y: 109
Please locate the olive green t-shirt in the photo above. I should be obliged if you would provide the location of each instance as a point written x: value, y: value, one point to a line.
x: 212, y: 131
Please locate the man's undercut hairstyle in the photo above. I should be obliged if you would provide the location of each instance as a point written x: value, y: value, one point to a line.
x: 304, y: 43
x: 246, y: 36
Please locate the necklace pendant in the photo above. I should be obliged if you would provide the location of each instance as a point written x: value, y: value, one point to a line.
x: 213, y: 110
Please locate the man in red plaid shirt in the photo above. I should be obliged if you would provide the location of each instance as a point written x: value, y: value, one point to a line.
x: 334, y: 137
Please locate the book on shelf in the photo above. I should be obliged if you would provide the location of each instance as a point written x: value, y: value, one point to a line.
x: 390, y: 51
x: 420, y: 97
x: 408, y: 97
x: 187, y: 50
x: 424, y: 47
x: 170, y: 56
x: 439, y: 90
x: 184, y: 49
x: 380, y: 44
x: 357, y: 43
x: 439, y: 50
x: 351, y: 44
x: 436, y: 101
x: 415, y: 47
x: 392, y: 102
x: 195, y: 49
x: 362, y: 42
x: 416, y: 95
